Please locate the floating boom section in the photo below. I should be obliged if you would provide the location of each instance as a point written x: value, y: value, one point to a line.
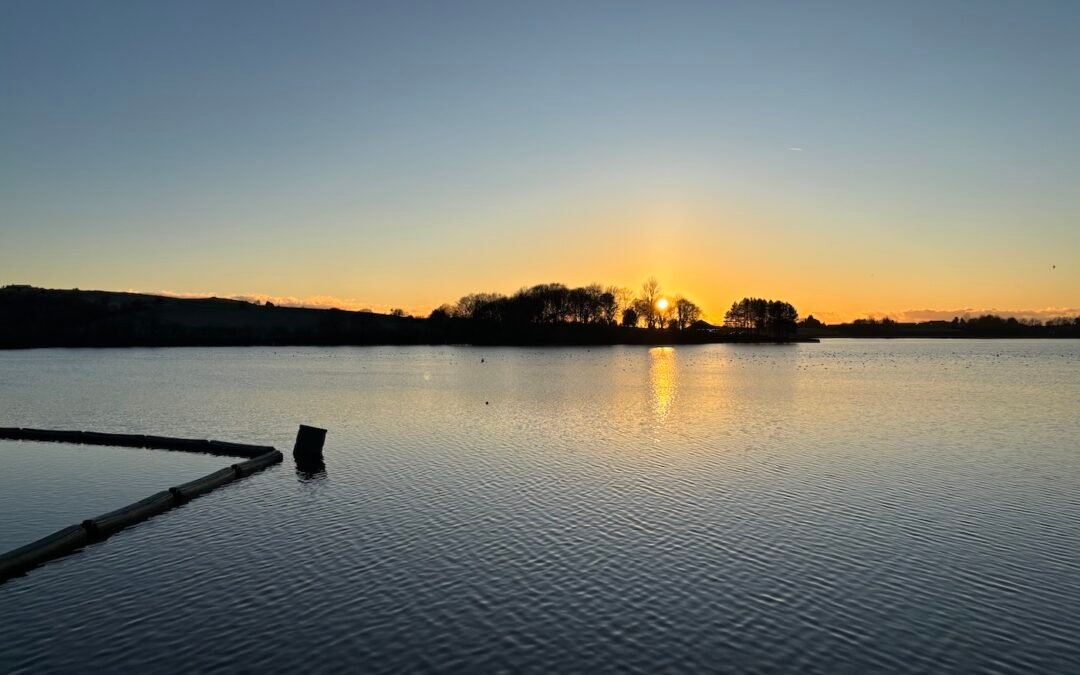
x: 70, y: 539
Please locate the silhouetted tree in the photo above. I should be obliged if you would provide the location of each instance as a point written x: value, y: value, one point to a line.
x: 646, y: 304
x: 584, y: 304
x: 686, y: 313
x: 757, y: 316
x: 609, y: 307
x: 740, y: 317
x: 781, y: 318
x: 556, y: 304
x: 624, y: 297
x: 441, y: 313
x: 544, y: 304
x: 552, y: 300
x: 476, y: 306
x: 644, y: 312
x: 1063, y: 321
x: 664, y: 316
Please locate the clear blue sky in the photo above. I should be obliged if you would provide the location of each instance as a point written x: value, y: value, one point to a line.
x: 847, y: 156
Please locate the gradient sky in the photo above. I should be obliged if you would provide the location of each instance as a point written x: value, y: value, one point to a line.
x: 849, y: 157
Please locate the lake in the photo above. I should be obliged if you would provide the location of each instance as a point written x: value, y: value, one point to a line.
x: 47, y: 486
x: 842, y: 507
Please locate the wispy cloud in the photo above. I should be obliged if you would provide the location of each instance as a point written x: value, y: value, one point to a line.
x: 795, y: 149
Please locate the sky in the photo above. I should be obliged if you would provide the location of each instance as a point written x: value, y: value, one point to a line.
x: 915, y: 159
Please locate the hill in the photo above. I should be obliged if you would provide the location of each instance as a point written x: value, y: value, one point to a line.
x: 36, y: 317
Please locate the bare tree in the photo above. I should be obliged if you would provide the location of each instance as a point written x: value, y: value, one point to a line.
x: 665, y: 312
x: 476, y: 305
x: 650, y: 294
x: 609, y: 307
x: 644, y: 312
x: 686, y: 313
x: 624, y: 297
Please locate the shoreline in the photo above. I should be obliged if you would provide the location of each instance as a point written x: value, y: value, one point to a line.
x: 241, y: 345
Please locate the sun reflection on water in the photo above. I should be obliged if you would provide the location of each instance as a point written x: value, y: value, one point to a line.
x: 663, y: 381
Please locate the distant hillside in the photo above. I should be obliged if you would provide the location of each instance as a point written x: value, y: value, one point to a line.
x: 988, y: 326
x: 35, y: 317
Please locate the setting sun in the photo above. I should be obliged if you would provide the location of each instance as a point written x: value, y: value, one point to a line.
x: 662, y: 304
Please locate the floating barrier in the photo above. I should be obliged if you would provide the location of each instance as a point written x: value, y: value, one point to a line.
x: 57, y: 544
x: 135, y: 441
x: 201, y: 486
x: 70, y: 539
x: 114, y: 521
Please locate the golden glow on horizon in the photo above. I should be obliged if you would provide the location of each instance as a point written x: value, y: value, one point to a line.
x: 662, y: 304
x: 835, y: 278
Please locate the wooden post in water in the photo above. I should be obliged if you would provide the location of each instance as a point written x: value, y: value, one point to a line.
x: 309, y: 443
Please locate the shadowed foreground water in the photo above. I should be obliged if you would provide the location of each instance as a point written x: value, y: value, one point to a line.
x: 48, y: 486
x: 853, y: 505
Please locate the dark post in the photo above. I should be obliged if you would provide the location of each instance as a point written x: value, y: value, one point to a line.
x: 309, y: 443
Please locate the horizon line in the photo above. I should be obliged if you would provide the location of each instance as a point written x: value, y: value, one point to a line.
x: 323, y: 301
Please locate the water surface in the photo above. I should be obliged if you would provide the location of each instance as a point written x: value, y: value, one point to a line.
x: 48, y: 486
x: 839, y: 507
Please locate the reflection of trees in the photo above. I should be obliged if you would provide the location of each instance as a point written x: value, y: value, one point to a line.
x: 663, y: 381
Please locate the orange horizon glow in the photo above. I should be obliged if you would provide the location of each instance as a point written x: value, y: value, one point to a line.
x: 717, y: 249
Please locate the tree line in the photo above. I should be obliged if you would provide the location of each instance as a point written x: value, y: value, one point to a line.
x: 986, y: 321
x: 758, y: 316
x: 555, y: 304
x: 987, y: 325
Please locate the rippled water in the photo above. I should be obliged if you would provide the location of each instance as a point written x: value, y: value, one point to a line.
x: 47, y: 486
x: 841, y: 507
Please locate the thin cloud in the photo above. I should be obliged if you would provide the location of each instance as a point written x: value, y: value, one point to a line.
x: 795, y: 149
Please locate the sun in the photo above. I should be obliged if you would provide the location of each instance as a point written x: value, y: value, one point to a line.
x: 662, y: 304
